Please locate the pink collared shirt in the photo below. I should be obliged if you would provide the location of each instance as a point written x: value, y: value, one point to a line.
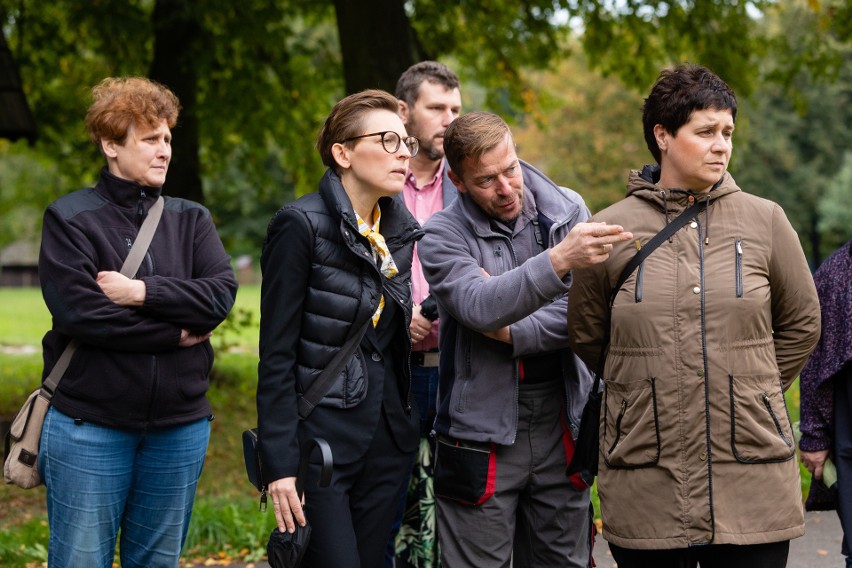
x: 423, y: 202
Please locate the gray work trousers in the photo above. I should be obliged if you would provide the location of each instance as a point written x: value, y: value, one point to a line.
x: 535, y: 518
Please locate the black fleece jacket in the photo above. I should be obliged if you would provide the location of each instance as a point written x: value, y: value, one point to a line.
x: 129, y: 371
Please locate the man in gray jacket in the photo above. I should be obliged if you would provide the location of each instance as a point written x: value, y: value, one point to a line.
x: 498, y: 261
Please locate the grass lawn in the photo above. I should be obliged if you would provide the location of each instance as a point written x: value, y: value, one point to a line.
x: 226, y: 523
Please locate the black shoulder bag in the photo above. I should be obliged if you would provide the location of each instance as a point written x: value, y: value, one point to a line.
x: 587, y: 447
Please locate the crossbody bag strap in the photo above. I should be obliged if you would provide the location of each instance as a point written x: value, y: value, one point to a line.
x: 321, y: 385
x: 128, y: 268
x: 677, y: 223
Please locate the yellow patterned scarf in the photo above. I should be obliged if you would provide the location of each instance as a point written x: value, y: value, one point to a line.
x: 380, y: 251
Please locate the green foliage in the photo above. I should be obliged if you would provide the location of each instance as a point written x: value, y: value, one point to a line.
x: 494, y: 42
x: 268, y: 74
x: 241, y: 329
x: 591, y: 136
x: 808, y: 40
x: 791, y: 151
x: 269, y: 71
x: 634, y: 39
x: 62, y: 48
x: 225, y: 527
x: 240, y: 321
x: 788, y: 150
x: 269, y: 79
x: 20, y: 375
x: 28, y: 182
x: 793, y: 400
x: 25, y: 543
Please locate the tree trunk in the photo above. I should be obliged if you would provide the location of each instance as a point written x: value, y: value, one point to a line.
x: 177, y: 45
x: 377, y: 43
x: 816, y: 241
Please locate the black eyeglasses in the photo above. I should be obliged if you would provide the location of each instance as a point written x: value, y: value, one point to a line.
x: 391, y: 141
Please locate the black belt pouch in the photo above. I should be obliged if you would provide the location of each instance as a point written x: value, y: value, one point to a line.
x: 464, y: 471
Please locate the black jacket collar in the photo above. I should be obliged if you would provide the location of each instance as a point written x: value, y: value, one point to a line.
x: 125, y: 193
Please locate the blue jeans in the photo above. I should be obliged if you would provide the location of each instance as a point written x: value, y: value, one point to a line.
x: 102, y: 479
x: 424, y: 390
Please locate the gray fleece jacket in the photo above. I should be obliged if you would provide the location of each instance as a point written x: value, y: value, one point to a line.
x: 478, y: 393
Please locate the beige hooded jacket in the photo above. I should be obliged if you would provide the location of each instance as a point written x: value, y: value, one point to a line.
x: 707, y: 334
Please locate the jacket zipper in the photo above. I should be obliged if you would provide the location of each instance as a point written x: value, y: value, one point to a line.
x: 738, y: 267
x: 140, y: 209
x: 407, y: 320
x: 638, y: 291
x: 155, y: 385
x: 498, y: 252
x: 706, y: 379
x: 618, y: 426
x: 517, y: 363
x: 765, y: 398
x: 411, y: 236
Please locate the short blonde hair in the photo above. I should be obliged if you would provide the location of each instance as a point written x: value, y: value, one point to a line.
x: 122, y: 101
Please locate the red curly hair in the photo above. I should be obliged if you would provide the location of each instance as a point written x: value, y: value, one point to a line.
x: 122, y: 101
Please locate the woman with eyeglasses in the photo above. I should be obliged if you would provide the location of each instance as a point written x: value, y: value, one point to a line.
x: 337, y: 263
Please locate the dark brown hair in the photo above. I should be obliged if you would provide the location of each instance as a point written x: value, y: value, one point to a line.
x: 677, y: 93
x: 472, y: 135
x: 346, y: 120
x: 409, y: 83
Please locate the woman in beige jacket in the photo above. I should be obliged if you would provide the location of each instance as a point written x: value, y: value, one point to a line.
x: 697, y: 461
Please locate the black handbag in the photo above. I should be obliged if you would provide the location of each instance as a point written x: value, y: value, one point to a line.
x: 254, y: 465
x: 587, y: 446
x: 821, y: 497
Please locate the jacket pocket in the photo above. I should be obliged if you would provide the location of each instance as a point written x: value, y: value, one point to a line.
x: 760, y: 426
x: 631, y: 436
x: 350, y: 387
x: 191, y: 369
